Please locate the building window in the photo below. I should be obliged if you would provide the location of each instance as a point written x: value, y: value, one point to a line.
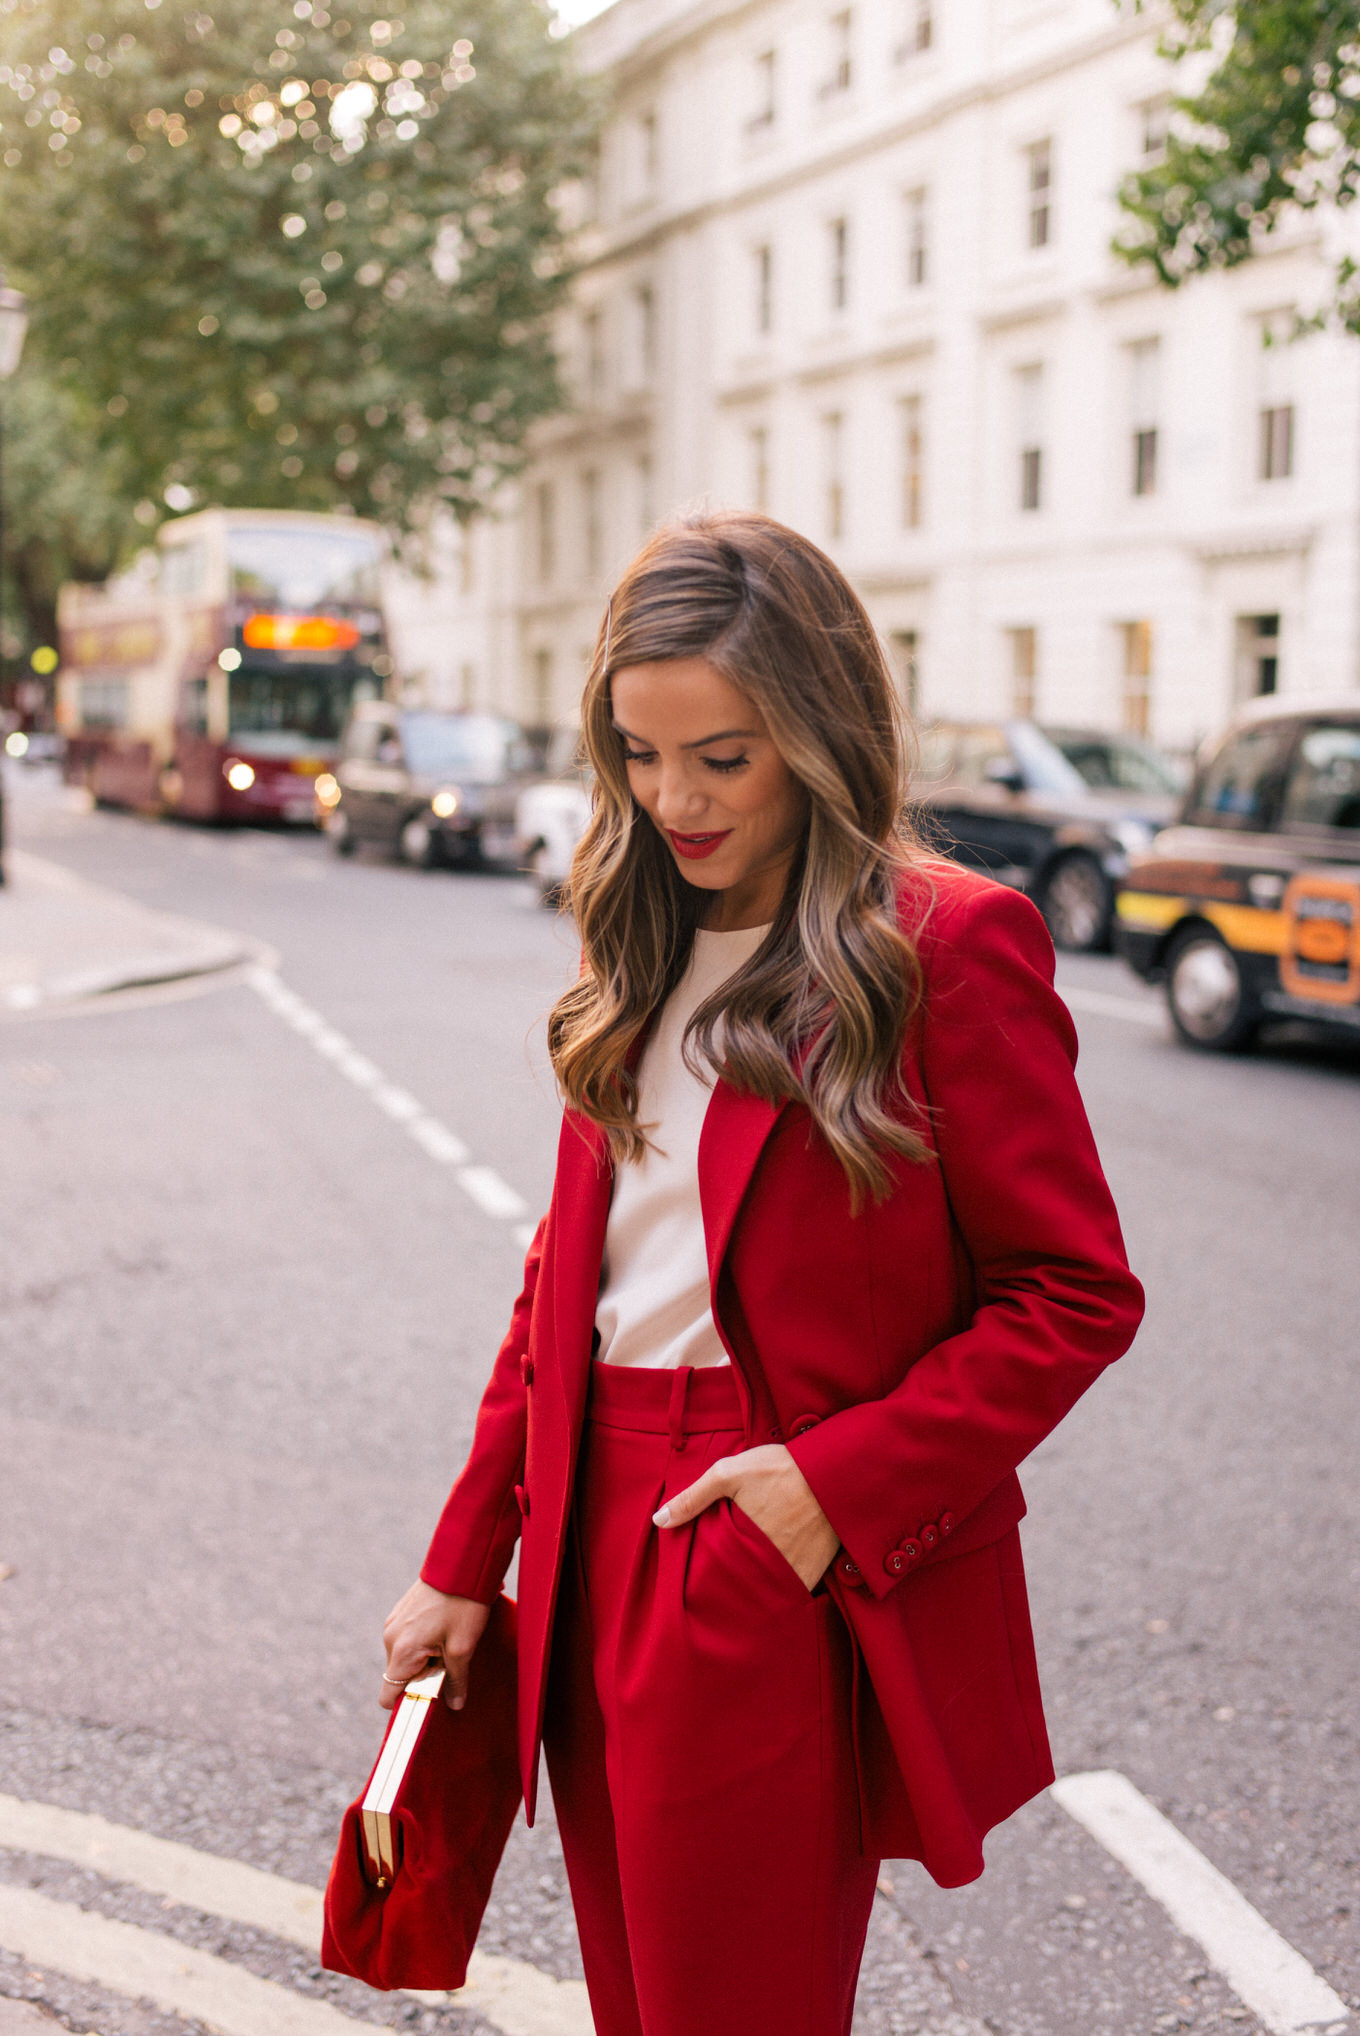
x: 765, y: 107
x: 764, y: 289
x: 541, y: 689
x: 644, y: 331
x: 467, y: 562
x: 646, y: 506
x: 905, y: 645
x: 1276, y: 442
x: 1154, y: 125
x: 1258, y: 656
x: 918, y: 238
x: 913, y: 462
x: 545, y: 532
x: 592, y: 529
x: 1029, y: 394
x: 467, y: 686
x: 648, y: 152
x: 1144, y: 375
x: 840, y: 74
x: 833, y: 448
x: 838, y: 235
x: 758, y: 453
x: 592, y: 346
x: 919, y: 30
x: 1039, y: 180
x: 1137, y: 689
x: 1024, y: 649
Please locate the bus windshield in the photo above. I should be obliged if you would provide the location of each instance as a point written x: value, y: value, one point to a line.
x: 303, y: 569
x: 282, y: 713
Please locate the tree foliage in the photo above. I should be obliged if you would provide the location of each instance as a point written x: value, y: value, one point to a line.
x: 279, y: 256
x: 1275, y: 126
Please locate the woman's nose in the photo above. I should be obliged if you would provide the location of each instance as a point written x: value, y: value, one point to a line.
x: 679, y: 800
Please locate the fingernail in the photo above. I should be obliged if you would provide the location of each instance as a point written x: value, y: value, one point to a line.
x: 662, y: 1518
x: 458, y: 1703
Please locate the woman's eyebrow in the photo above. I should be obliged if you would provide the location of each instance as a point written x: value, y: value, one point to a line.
x: 723, y: 735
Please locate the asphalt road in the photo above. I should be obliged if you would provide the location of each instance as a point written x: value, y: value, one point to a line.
x: 244, y: 1322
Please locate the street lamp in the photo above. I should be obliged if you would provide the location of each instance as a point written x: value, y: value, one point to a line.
x: 13, y: 326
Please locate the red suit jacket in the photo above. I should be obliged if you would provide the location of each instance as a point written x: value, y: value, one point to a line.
x: 910, y: 1356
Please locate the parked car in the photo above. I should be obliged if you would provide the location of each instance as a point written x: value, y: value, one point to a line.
x: 1249, y: 908
x: 551, y: 814
x: 432, y: 787
x: 1002, y: 798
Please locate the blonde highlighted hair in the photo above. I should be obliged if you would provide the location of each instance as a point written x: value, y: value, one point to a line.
x: 818, y: 1013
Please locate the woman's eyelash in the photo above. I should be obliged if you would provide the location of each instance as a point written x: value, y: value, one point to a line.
x: 723, y: 764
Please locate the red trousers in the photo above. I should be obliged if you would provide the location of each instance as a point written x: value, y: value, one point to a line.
x: 698, y: 1740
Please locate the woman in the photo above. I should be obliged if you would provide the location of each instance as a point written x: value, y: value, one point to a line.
x: 829, y: 1252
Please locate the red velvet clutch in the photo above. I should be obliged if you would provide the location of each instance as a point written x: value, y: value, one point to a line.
x: 449, y: 1826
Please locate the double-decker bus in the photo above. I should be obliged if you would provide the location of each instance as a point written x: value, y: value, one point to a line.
x: 213, y: 680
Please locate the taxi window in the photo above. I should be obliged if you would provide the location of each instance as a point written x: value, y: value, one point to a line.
x: 1324, y: 784
x: 1241, y: 786
x: 367, y: 741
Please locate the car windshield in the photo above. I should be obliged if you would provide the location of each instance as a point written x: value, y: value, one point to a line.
x: 1324, y: 781
x: 1044, y: 766
x: 1117, y: 763
x: 479, y: 749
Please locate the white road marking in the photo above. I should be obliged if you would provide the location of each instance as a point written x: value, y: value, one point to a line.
x: 481, y: 1184
x: 145, y: 1966
x: 514, y: 1997
x: 1103, y: 1004
x: 1264, y: 1971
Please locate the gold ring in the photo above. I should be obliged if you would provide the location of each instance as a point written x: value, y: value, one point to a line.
x: 398, y: 1682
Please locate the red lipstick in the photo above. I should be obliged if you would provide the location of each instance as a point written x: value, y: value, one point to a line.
x: 694, y: 847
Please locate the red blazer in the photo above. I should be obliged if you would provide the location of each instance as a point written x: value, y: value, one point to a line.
x: 910, y: 1356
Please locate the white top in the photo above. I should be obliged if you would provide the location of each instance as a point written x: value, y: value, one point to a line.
x: 653, y: 1307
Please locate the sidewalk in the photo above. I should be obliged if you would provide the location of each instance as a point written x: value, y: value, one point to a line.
x: 65, y: 942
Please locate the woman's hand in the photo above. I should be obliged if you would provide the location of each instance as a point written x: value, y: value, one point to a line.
x: 771, y: 1490
x: 427, y: 1628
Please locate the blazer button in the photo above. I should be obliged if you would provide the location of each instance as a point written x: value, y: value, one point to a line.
x: 946, y: 1523
x: 526, y: 1370
x: 910, y: 1551
x: 803, y: 1422
x: 522, y: 1501
x: 929, y: 1535
x: 895, y: 1562
x: 849, y: 1570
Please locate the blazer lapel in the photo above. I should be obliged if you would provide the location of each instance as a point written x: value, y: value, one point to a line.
x: 733, y: 1138
x: 584, y: 1187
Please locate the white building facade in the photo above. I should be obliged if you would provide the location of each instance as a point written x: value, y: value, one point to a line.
x: 851, y: 265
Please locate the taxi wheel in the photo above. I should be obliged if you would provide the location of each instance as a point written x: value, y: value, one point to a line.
x: 420, y: 844
x: 340, y: 834
x: 1212, y: 1006
x: 1077, y: 902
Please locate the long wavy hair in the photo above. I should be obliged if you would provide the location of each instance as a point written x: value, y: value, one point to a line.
x: 818, y: 1013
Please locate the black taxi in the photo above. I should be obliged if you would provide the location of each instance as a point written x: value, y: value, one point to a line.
x: 1248, y: 907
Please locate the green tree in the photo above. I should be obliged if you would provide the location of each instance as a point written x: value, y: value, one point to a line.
x: 275, y: 255
x: 1275, y: 125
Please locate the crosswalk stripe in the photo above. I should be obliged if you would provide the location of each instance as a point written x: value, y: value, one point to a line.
x: 512, y: 1996
x: 145, y: 1966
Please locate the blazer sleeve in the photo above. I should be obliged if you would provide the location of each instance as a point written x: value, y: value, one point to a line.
x: 480, y: 1523
x: 1055, y: 1300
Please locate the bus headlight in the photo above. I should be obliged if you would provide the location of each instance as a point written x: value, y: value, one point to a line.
x: 327, y: 791
x: 16, y: 744
x: 444, y: 805
x: 240, y: 776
